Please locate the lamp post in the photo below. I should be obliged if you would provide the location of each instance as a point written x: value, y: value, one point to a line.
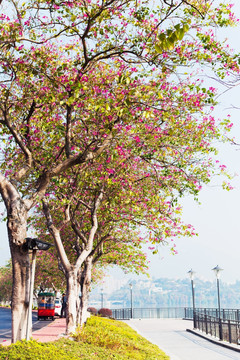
x: 131, y: 297
x: 34, y: 245
x: 191, y: 275
x: 217, y: 271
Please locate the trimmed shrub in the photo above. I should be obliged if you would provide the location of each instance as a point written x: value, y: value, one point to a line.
x: 105, y: 312
x: 92, y: 310
x: 100, y: 339
x: 115, y: 340
x: 32, y: 350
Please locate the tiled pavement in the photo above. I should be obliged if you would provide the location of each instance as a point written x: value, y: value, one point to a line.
x: 51, y: 332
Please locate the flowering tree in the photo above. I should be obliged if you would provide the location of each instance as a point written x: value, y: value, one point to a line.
x: 133, y: 186
x: 79, y: 77
x: 46, y: 276
x: 87, y: 237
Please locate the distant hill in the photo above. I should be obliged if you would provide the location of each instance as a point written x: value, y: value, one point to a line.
x: 165, y: 292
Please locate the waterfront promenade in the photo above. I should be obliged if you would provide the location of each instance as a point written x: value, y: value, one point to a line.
x: 171, y: 336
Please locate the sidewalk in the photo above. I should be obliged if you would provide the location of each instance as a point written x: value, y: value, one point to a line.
x: 51, y: 332
x: 171, y: 336
x: 214, y: 340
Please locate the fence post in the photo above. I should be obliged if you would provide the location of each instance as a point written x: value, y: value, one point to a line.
x: 194, y: 319
x: 206, y: 324
x: 229, y: 332
x: 197, y: 323
x: 210, y: 325
x: 220, y: 329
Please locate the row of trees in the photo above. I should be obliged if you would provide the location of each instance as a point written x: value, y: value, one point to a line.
x: 103, y: 127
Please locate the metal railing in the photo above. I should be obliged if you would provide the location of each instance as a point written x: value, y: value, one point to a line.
x: 225, y: 314
x: 207, y: 320
x: 213, y: 325
x: 148, y: 313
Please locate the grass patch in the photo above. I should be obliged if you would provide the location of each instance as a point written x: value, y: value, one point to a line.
x: 100, y: 339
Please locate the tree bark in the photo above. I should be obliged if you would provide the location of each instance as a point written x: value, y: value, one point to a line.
x: 20, y: 292
x: 73, y: 300
x: 17, y: 213
x: 86, y: 277
x: 77, y: 306
x: 17, y: 225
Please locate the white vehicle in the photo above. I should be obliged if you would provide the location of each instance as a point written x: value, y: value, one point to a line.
x: 58, y: 307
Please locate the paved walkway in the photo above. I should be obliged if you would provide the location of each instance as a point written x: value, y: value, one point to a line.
x: 51, y: 332
x: 171, y: 336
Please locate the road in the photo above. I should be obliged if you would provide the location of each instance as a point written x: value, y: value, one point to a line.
x: 171, y: 336
x: 5, y: 323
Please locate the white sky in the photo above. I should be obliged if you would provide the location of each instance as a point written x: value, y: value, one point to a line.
x: 217, y: 219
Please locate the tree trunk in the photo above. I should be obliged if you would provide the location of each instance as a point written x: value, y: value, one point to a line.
x: 17, y: 225
x: 73, y: 301
x: 86, y: 277
x: 17, y: 212
x: 20, y: 293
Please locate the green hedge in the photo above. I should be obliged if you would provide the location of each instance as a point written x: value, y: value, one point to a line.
x: 29, y: 350
x: 100, y: 339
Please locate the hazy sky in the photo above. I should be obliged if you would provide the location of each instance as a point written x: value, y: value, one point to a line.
x: 217, y: 219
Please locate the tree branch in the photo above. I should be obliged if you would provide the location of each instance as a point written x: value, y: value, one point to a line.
x: 93, y: 230
x: 56, y: 236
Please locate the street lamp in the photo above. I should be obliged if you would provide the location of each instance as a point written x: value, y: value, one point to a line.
x: 34, y: 245
x: 191, y: 275
x: 217, y: 271
x: 131, y: 294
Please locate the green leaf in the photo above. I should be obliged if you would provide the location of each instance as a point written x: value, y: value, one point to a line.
x: 158, y: 48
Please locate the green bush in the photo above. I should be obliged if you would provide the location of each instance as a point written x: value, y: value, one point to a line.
x: 33, y: 350
x: 120, y: 339
x: 100, y: 339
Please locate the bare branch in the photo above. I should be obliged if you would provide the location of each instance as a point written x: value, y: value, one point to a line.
x: 92, y: 233
x: 57, y: 238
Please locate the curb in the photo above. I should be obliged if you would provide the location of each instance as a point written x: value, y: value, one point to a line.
x: 216, y: 342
